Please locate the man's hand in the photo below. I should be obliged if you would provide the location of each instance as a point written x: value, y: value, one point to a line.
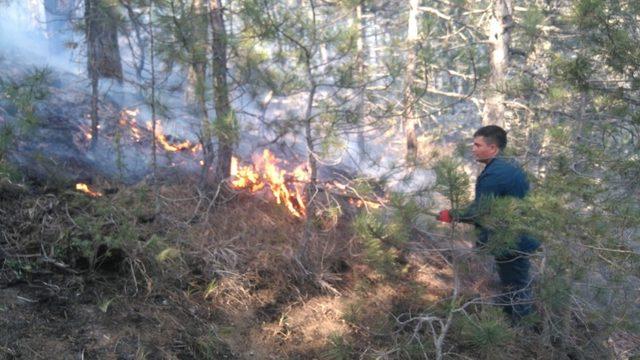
x: 444, y: 216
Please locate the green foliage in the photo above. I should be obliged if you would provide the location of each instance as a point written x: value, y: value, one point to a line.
x: 339, y: 348
x: 486, y: 332
x: 103, y: 221
x: 557, y: 93
x: 521, y: 86
x: 554, y: 293
x: 22, y: 269
x: 331, y: 141
x: 385, y: 233
x: 8, y: 171
x: 532, y: 18
x: 24, y: 94
x: 183, y: 35
x: 104, y: 304
x: 540, y: 215
x: 211, y: 347
x: 21, y: 97
x: 588, y: 13
x: 402, y: 219
x: 576, y: 72
x: 7, y: 136
x: 374, y: 233
x: 412, y: 349
x: 352, y: 313
x: 302, y: 49
x: 452, y: 181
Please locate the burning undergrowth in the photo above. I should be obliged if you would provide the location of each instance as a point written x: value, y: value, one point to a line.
x: 165, y: 259
x: 286, y: 187
x: 46, y: 132
x: 169, y: 271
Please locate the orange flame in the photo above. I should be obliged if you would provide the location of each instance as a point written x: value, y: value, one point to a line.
x: 85, y: 189
x: 287, y: 188
x: 162, y: 140
x: 128, y: 117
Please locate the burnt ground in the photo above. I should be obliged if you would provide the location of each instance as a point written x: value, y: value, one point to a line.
x: 66, y: 317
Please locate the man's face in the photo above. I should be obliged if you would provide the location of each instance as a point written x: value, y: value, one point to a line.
x: 483, y: 151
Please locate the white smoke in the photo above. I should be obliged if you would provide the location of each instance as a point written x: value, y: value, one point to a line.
x: 23, y: 37
x: 24, y: 41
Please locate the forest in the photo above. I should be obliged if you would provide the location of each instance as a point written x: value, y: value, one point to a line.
x: 265, y: 179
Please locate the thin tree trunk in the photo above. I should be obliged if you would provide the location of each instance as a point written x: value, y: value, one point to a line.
x: 103, y: 53
x: 362, y: 77
x: 225, y: 122
x: 197, y: 47
x: 308, y: 130
x: 409, y: 118
x: 206, y: 130
x: 95, y: 120
x: 154, y: 145
x: 313, y: 166
x: 499, y: 33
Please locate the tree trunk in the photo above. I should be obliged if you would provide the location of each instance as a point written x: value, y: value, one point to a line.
x: 313, y: 166
x: 225, y: 121
x: 103, y: 53
x: 206, y: 130
x: 197, y: 77
x: 409, y: 118
x: 311, y: 189
x: 499, y: 33
x: 362, y: 78
x: 154, y: 121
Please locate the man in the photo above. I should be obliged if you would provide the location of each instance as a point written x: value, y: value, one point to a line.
x: 500, y: 178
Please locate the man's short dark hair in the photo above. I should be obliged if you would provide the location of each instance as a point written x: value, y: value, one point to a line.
x: 493, y: 134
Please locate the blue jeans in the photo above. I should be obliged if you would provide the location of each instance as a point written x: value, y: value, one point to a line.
x: 517, y: 297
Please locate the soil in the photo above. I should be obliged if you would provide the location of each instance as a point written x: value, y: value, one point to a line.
x: 72, y: 317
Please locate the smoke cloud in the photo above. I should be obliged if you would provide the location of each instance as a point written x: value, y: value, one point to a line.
x: 24, y: 38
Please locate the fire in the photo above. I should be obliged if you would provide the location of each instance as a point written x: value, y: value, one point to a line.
x: 162, y: 140
x: 288, y: 188
x: 85, y: 189
x: 128, y: 118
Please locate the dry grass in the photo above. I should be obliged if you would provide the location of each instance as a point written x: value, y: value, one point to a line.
x: 206, y: 279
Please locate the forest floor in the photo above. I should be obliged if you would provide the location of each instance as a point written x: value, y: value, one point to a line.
x: 191, y: 285
x: 124, y: 276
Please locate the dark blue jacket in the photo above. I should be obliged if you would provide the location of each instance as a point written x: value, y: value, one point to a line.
x: 501, y: 177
